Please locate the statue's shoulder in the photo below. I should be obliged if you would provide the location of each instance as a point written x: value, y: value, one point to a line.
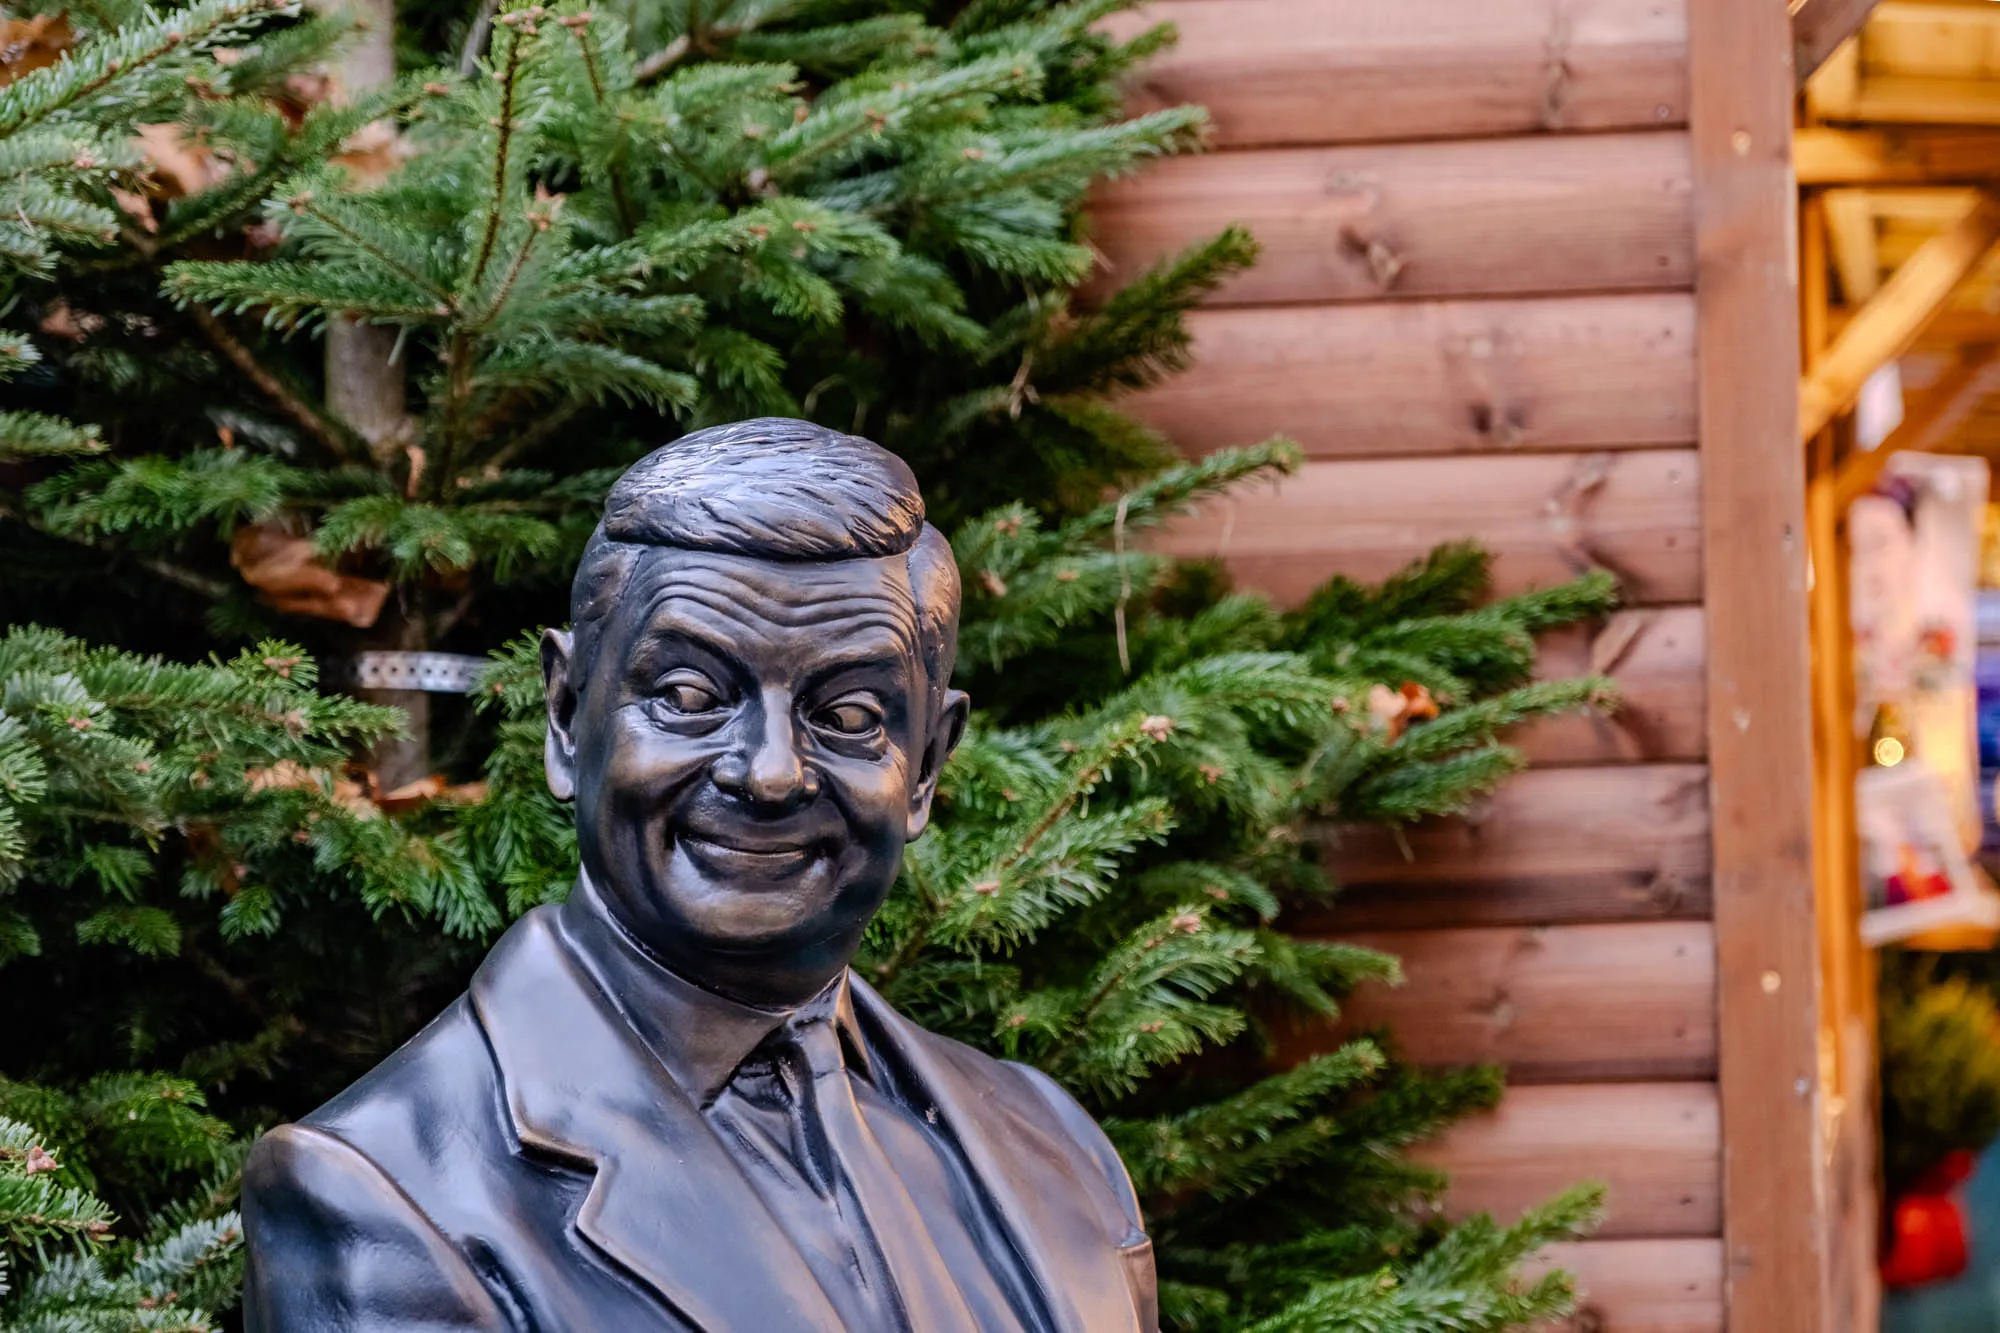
x: 433, y: 1076
x: 374, y: 1162
x: 442, y: 1085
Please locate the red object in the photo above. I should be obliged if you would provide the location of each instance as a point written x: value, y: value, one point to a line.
x: 1953, y: 1171
x: 1926, y: 1241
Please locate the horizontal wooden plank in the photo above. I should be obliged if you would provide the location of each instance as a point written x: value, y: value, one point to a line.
x: 1492, y: 218
x: 1910, y: 155
x: 1640, y: 1286
x: 1356, y: 71
x: 1545, y: 517
x: 1927, y: 39
x: 1890, y: 99
x: 1551, y: 845
x: 1551, y: 1004
x: 1444, y: 377
x: 1659, y: 658
x: 1655, y: 1147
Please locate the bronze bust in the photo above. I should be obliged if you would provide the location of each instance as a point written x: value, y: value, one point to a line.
x: 667, y: 1104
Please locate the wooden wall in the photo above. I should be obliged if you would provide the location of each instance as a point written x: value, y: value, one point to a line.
x: 1476, y: 312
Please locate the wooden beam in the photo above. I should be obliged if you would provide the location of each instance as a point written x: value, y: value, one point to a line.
x: 1387, y: 379
x: 1930, y: 421
x: 1775, y: 1197
x: 1554, y: 1004
x: 1545, y: 517
x: 1818, y: 29
x: 1815, y: 282
x: 1831, y: 93
x: 1958, y: 324
x: 1847, y: 982
x: 1895, y: 99
x: 1659, y: 657
x: 1884, y: 328
x: 1323, y: 72
x: 1542, y: 215
x: 1850, y: 223
x: 1929, y: 207
x: 1592, y: 844
x: 1640, y: 1286
x: 1656, y: 1148
x: 1905, y: 155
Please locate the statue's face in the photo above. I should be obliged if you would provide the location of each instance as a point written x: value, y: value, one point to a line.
x: 748, y: 755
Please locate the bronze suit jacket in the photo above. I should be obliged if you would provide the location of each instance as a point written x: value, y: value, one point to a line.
x: 525, y: 1164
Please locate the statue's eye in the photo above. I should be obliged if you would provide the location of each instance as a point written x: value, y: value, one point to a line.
x: 685, y: 692
x: 850, y: 715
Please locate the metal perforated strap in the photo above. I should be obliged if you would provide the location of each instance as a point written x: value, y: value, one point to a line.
x: 431, y: 673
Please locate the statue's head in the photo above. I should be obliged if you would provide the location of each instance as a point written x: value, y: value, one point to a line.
x: 754, y: 700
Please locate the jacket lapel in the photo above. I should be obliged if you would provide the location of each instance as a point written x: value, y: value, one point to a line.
x: 1030, y: 1177
x: 667, y: 1203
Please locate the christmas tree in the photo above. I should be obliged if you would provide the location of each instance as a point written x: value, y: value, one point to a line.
x: 881, y: 230
x: 835, y: 209
x: 859, y: 211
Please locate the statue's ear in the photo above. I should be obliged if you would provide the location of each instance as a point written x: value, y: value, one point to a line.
x: 947, y: 729
x: 559, y: 749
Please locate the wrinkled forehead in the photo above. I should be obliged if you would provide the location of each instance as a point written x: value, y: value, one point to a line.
x: 787, y: 614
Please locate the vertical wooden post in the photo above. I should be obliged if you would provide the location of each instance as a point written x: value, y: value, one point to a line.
x: 1759, y: 695
x: 1847, y: 970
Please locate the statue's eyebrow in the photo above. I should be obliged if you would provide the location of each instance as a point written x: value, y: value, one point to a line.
x: 885, y: 656
x: 659, y: 631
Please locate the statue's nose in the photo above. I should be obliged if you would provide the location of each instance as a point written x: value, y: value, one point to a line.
x: 763, y: 763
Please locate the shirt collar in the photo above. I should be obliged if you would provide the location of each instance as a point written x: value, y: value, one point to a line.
x: 698, y: 1036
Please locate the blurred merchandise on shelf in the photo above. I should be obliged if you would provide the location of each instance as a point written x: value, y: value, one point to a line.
x: 1923, y: 803
x: 1986, y: 686
x: 1912, y: 856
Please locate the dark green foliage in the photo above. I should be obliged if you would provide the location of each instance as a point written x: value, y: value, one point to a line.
x: 142, y: 1135
x: 860, y: 213
x: 1940, y: 1041
x: 101, y: 754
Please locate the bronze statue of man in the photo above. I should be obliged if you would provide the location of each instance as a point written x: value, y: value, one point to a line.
x: 667, y: 1104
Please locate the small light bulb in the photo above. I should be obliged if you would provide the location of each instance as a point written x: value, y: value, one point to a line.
x: 1888, y: 752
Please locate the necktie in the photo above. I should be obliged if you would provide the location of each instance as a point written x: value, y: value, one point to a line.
x: 838, y: 1148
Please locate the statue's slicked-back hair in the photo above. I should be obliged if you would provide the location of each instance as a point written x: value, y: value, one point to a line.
x: 775, y: 489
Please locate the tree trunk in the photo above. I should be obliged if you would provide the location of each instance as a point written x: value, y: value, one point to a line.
x: 365, y: 388
x: 399, y: 761
x: 364, y: 381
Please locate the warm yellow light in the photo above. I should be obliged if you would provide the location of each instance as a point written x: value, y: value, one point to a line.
x: 1888, y: 752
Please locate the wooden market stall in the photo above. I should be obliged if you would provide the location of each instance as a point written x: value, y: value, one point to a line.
x: 1528, y: 277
